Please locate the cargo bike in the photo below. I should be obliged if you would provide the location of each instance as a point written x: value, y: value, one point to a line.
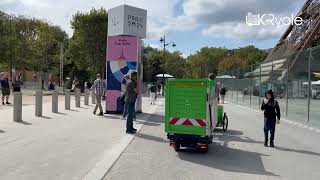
x: 192, y: 113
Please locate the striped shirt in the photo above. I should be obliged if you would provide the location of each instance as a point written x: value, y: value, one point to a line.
x: 99, y: 86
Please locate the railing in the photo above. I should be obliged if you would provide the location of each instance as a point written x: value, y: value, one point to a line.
x: 295, y: 81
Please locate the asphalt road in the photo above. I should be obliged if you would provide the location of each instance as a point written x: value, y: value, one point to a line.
x: 237, y: 154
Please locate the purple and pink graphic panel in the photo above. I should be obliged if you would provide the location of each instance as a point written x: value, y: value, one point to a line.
x: 122, y: 57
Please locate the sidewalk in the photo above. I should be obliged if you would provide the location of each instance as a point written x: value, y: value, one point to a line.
x: 68, y: 145
x: 238, y: 154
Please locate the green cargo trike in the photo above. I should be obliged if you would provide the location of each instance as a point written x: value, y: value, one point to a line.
x: 192, y: 113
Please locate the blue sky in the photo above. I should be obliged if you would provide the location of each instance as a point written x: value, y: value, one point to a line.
x: 191, y: 24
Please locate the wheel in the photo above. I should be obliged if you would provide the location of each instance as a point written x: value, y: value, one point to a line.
x: 225, y: 122
x: 176, y: 146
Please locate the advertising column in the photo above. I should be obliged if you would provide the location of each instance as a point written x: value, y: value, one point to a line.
x: 126, y: 28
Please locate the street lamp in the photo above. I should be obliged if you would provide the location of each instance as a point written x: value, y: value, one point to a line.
x: 163, y: 41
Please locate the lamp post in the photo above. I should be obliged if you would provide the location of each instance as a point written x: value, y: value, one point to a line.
x: 163, y: 41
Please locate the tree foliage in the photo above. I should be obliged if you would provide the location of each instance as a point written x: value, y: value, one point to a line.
x: 204, y: 62
x: 29, y: 43
x: 87, y: 47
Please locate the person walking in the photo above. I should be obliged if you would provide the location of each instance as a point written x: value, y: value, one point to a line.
x: 130, y: 100
x: 16, y: 85
x: 99, y: 87
x: 223, y: 92
x: 153, y: 92
x: 272, y: 115
x: 5, y: 88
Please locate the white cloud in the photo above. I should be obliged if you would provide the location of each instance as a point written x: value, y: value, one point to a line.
x: 216, y: 17
x: 241, y: 31
x: 156, y: 46
x: 60, y: 12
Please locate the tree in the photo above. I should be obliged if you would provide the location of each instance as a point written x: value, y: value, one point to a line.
x: 87, y: 48
x: 230, y: 63
x: 175, y: 65
x: 30, y: 43
x: 251, y: 54
x: 154, y: 64
x: 205, y: 61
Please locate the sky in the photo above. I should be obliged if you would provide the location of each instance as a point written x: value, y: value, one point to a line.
x: 190, y: 24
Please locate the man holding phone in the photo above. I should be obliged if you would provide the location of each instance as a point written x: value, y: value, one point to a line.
x: 130, y: 100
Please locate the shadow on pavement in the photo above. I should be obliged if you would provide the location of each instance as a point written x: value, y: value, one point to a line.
x: 46, y: 117
x: 73, y: 110
x: 2, y: 131
x: 152, y: 120
x: 297, y: 151
x: 61, y: 113
x: 227, y: 159
x: 232, y: 136
x: 152, y: 138
x: 24, y: 123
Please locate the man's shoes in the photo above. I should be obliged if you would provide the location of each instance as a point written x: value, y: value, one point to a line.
x: 94, y: 113
x: 100, y: 114
x: 8, y: 103
x: 271, y: 144
x: 266, y: 143
x: 3, y: 103
x: 131, y: 131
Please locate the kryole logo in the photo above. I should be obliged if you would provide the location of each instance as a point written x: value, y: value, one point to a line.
x: 270, y: 19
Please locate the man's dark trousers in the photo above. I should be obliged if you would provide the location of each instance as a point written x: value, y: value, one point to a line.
x: 131, y: 111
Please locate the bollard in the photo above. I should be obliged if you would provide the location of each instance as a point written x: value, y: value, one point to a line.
x: 67, y: 99
x: 93, y: 97
x: 17, y: 106
x: 38, y: 112
x: 78, y: 96
x: 55, y: 101
x: 86, y: 96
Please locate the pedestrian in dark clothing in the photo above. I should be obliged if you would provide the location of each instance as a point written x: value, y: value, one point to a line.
x: 223, y: 92
x: 16, y: 85
x: 271, y: 116
x: 130, y: 100
x: 5, y: 88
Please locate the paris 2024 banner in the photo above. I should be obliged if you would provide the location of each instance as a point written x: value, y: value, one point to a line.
x: 122, y: 59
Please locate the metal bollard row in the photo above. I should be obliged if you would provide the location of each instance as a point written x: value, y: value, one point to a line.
x: 17, y: 102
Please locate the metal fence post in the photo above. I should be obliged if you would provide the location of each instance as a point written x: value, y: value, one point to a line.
x: 237, y: 86
x: 86, y: 96
x: 309, y: 82
x: 55, y: 101
x: 260, y: 85
x: 78, y: 96
x: 38, y: 109
x: 287, y: 89
x: 251, y: 84
x: 67, y: 99
x: 17, y: 106
x: 272, y: 76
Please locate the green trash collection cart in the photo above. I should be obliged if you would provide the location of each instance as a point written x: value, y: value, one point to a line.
x: 190, y: 113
